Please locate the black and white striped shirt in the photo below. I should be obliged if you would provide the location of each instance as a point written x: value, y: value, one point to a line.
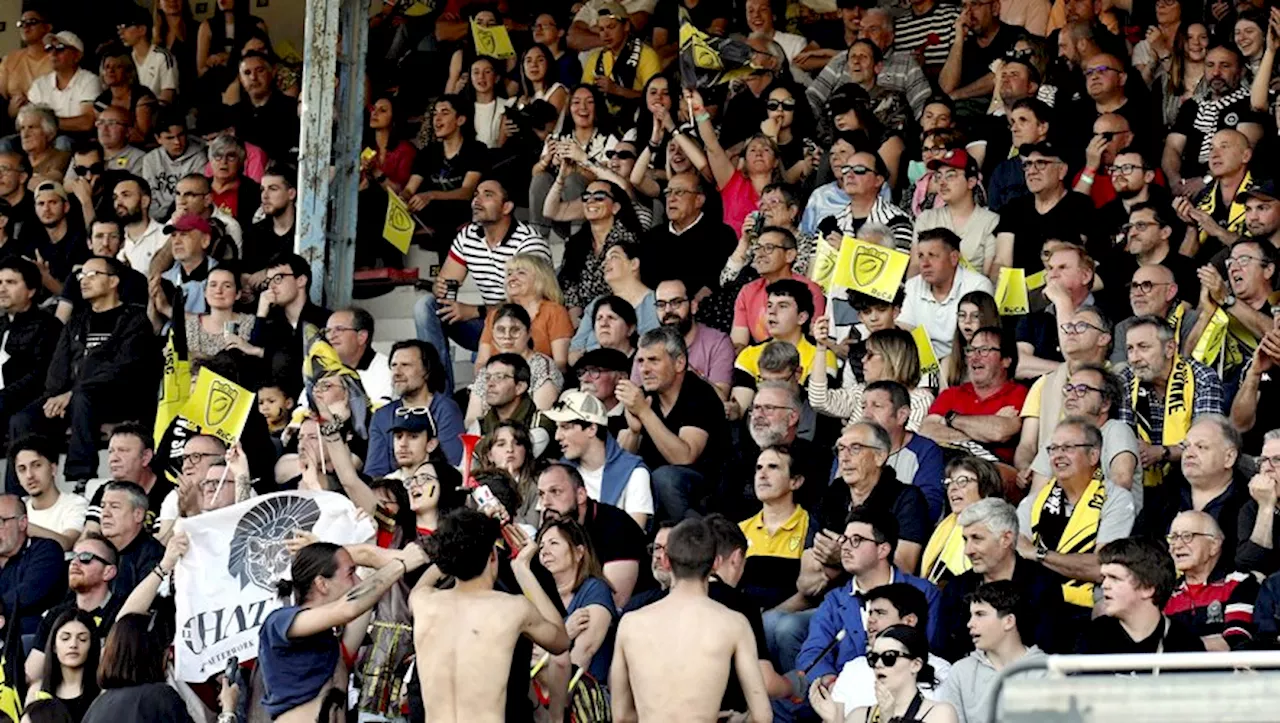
x: 489, y: 265
x: 885, y: 215
x: 912, y: 31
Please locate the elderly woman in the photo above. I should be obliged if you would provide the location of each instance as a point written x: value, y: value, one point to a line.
x: 120, y: 79
x: 531, y: 283
x: 233, y: 191
x: 968, y: 480
x: 37, y: 129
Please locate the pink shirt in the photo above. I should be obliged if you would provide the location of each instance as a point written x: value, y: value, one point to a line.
x: 739, y: 198
x: 749, y: 309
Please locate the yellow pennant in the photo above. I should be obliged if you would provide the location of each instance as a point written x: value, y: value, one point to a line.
x: 1011, y: 292
x: 1213, y: 339
x: 493, y: 42
x: 823, y: 266
x: 1035, y: 281
x: 398, y: 226
x: 924, y: 347
x: 175, y: 387
x: 219, y: 406
x: 870, y: 268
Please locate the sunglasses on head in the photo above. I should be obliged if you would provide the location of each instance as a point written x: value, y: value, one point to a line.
x: 622, y: 155
x: 888, y: 657
x: 781, y: 104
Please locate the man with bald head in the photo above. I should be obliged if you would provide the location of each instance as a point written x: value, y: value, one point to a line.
x: 1215, y: 605
x: 1111, y: 133
x: 1215, y: 219
x: 1189, y: 144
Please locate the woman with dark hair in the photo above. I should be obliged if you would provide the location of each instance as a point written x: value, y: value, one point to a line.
x: 616, y: 324
x: 550, y: 29
x: 610, y: 220
x: 222, y: 327
x: 850, y: 110
x: 131, y: 675
x: 899, y: 657
x: 654, y: 114
x: 540, y: 78
x: 968, y: 480
x: 392, y: 515
x: 392, y: 161
x: 566, y: 552
x: 298, y: 652
x: 460, y: 62
x: 174, y: 28
x: 71, y: 672
x: 977, y: 309
x: 588, y: 128
x: 508, y: 448
x: 216, y: 44
x: 788, y: 121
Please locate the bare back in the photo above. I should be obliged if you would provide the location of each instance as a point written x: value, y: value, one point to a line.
x: 464, y: 642
x: 678, y: 654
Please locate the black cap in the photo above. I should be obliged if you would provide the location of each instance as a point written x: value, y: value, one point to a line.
x: 1265, y: 191
x: 1044, y: 148
x: 135, y: 15
x: 844, y: 98
x: 1023, y: 57
x: 607, y: 359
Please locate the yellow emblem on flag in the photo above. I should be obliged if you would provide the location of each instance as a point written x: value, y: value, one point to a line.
x: 1011, y: 292
x: 493, y: 42
x: 871, y: 269
x: 398, y: 226
x: 924, y: 347
x: 219, y: 407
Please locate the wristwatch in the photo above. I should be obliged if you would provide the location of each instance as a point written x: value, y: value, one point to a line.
x: 951, y: 418
x: 1229, y: 301
x: 1042, y: 550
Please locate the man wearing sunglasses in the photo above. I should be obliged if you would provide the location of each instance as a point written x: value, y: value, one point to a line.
x: 22, y: 66
x: 1051, y: 211
x: 91, y: 569
x: 863, y: 179
x: 69, y: 89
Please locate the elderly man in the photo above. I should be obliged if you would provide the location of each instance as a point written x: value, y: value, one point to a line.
x: 1256, y: 550
x: 914, y: 458
x: 702, y: 262
x: 33, y: 577
x: 264, y: 117
x: 189, y: 238
x: 124, y: 509
x: 176, y: 156
x: 194, y: 195
x: 1063, y: 525
x: 1246, y: 299
x: 1215, y: 218
x: 1218, y: 607
x: 1209, y: 482
x: 129, y: 455
x: 1154, y: 292
x: 866, y: 482
x: 863, y: 178
x: 1164, y: 392
x: 197, y: 455
x: 69, y: 90
x: 611, y: 474
x: 990, y: 529
x: 675, y: 422
x: 932, y: 297
x: 1069, y: 276
x: 91, y: 569
x: 350, y: 333
x: 598, y: 372
x: 1086, y: 336
x: 1188, y: 148
x: 981, y: 415
x: 901, y: 71
x: 776, y: 416
x: 1050, y: 212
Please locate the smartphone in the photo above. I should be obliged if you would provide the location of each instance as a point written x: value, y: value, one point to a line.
x: 759, y: 224
x: 484, y: 497
x: 451, y: 287
x: 233, y: 667
x: 231, y: 328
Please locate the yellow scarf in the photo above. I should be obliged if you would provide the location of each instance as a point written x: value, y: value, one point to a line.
x: 945, y: 551
x: 1178, y: 395
x: 1235, y: 215
x: 1081, y: 534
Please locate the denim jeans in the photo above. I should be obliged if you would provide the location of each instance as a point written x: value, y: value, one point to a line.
x: 437, y: 333
x: 677, y: 493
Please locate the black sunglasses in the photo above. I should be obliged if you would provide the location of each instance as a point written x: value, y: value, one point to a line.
x: 623, y: 155
x: 588, y: 196
x: 86, y: 557
x: 90, y: 170
x: 781, y: 104
x: 888, y: 657
x: 51, y: 48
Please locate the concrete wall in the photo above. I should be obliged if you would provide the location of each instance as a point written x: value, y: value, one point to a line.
x: 284, y: 19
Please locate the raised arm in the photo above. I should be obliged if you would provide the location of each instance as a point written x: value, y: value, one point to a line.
x: 721, y: 166
x: 359, y: 600
x: 542, y: 623
x: 144, y: 594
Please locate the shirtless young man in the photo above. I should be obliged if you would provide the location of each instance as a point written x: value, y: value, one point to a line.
x: 671, y: 659
x: 464, y: 636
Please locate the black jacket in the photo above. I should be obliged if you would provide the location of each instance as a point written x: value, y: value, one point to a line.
x: 32, y: 338
x: 130, y: 356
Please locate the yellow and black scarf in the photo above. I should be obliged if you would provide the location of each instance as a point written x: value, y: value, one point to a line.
x: 1178, y: 396
x: 1072, y: 534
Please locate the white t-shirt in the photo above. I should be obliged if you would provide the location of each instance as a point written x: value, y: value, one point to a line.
x: 66, y: 103
x: 856, y: 686
x: 637, y: 496
x: 488, y: 121
x: 138, y: 253
x: 66, y: 514
x: 158, y: 71
x: 169, y: 507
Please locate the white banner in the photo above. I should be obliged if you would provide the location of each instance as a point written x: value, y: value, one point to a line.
x: 225, y: 584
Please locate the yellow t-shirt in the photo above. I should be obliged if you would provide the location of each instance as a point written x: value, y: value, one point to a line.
x: 649, y: 66
x: 749, y: 358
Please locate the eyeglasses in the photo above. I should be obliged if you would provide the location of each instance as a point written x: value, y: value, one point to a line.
x: 91, y: 273
x: 1125, y: 168
x: 1273, y: 461
x: 1039, y: 164
x: 888, y: 657
x: 671, y: 303
x: 769, y: 408
x: 853, y: 542
x: 90, y: 170
x: 1139, y: 226
x: 277, y: 278
x: 228, y: 156
x: 622, y: 155
x: 9, y: 169
x: 981, y: 350
x: 959, y: 482
x: 858, y: 170
x: 56, y: 48
x: 590, y: 374
x: 30, y: 22
x: 589, y: 196
x: 770, y: 248
x: 508, y: 331
x: 420, y: 480
x: 501, y: 377
x: 678, y: 192
x: 1077, y: 327
x: 1186, y: 538
x: 1243, y: 261
x: 85, y: 557
x: 406, y: 412
x: 198, y: 457
x: 854, y: 448
x: 1078, y: 390
x: 781, y: 104
x: 331, y: 331
x: 1056, y: 448
x: 1099, y: 70
x: 1145, y: 287
x: 655, y: 548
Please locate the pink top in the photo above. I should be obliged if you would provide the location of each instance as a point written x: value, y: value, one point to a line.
x: 739, y: 198
x: 749, y: 309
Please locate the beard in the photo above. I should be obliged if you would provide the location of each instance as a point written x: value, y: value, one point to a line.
x: 681, y: 324
x: 129, y: 216
x: 1127, y: 194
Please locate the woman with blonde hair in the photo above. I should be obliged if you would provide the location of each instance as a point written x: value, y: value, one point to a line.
x: 891, y: 354
x: 532, y: 284
x: 977, y: 310
x: 968, y: 480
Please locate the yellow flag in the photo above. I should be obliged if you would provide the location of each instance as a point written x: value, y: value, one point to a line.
x: 1011, y: 292
x: 398, y: 226
x: 219, y: 406
x: 924, y: 346
x: 1035, y: 281
x: 869, y: 268
x: 418, y: 8
x: 493, y: 42
x: 175, y: 387
x: 1213, y: 339
x: 823, y: 265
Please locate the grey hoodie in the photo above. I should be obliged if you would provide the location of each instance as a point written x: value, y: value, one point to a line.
x: 163, y: 172
x: 970, y: 685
